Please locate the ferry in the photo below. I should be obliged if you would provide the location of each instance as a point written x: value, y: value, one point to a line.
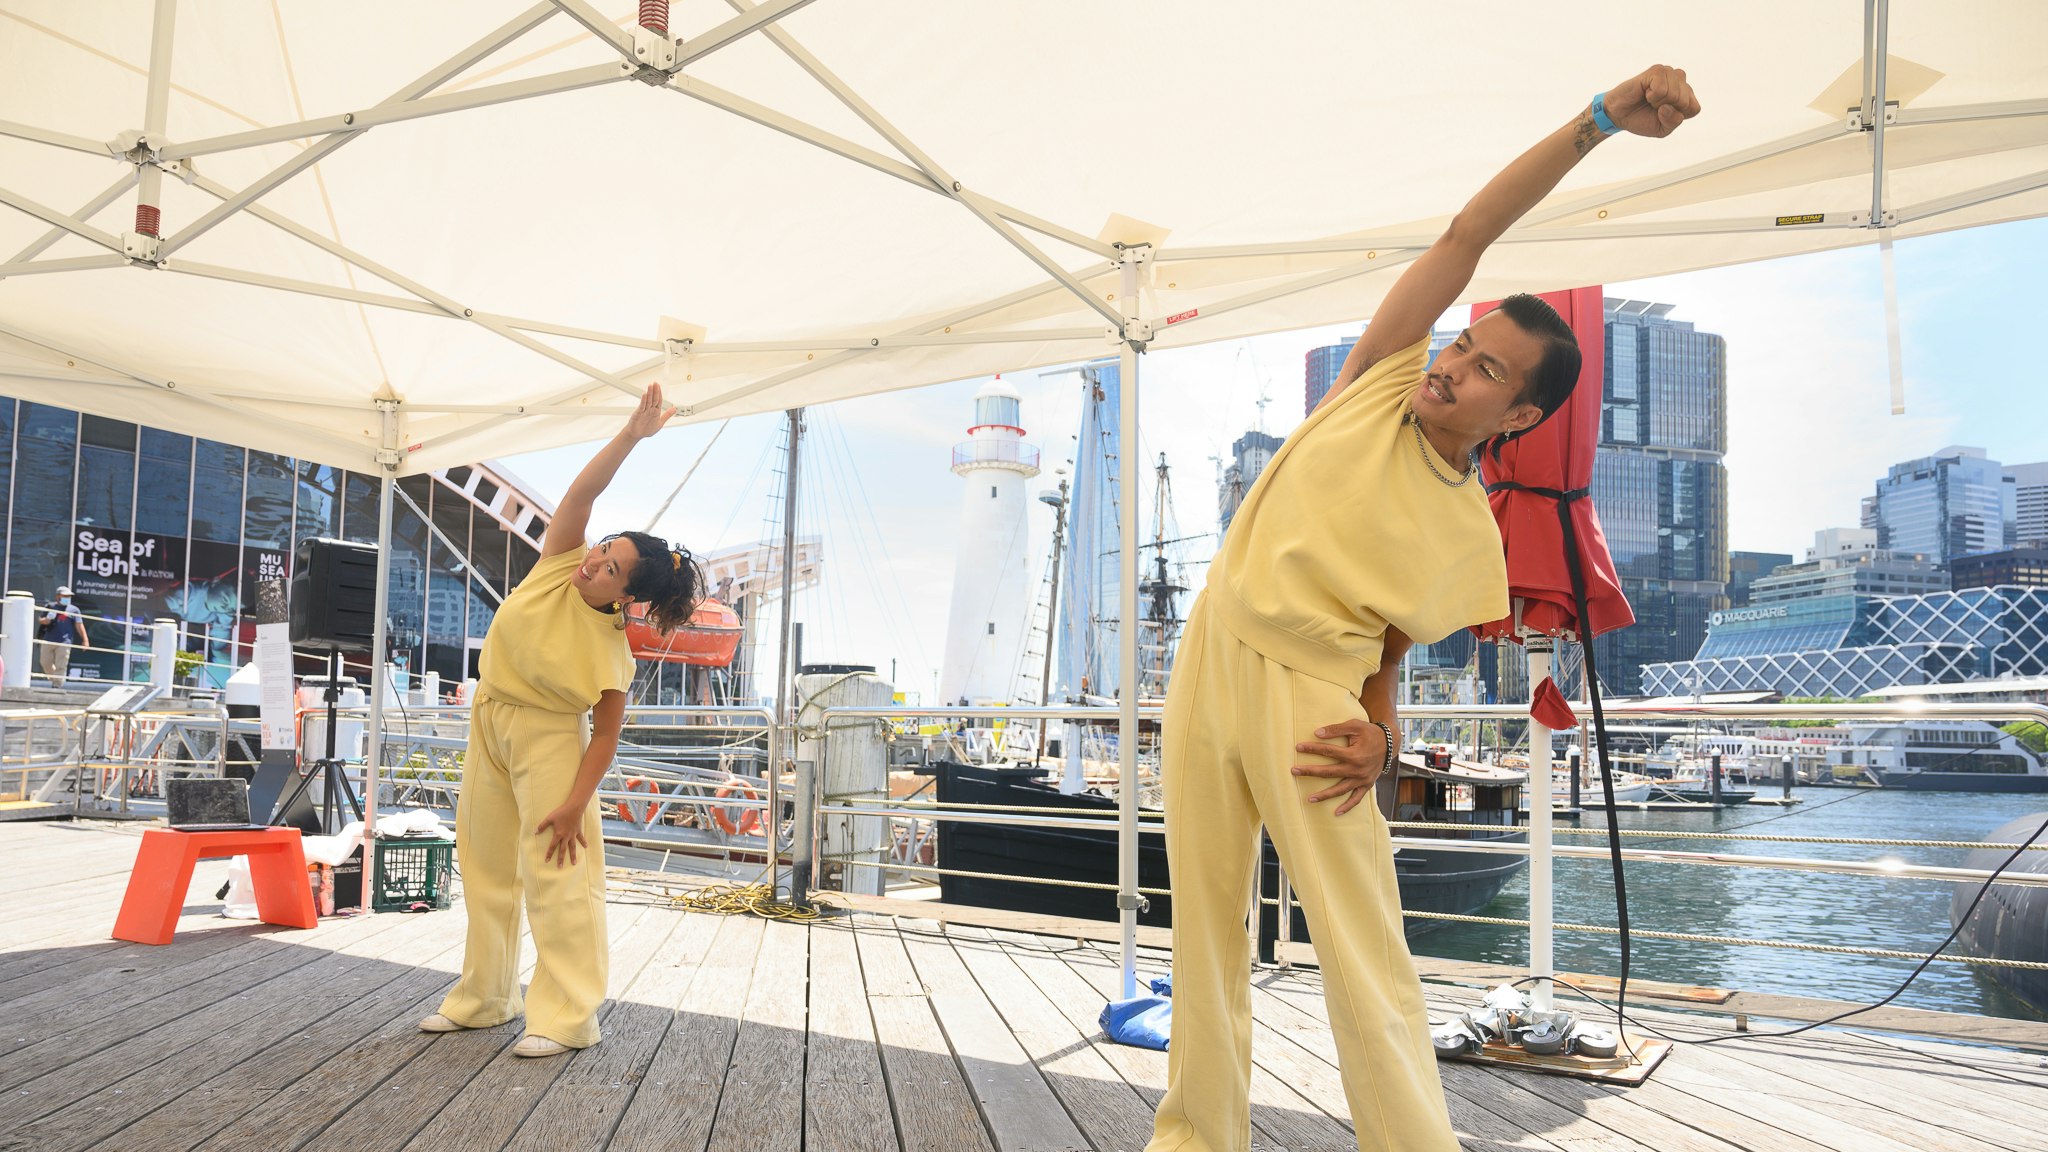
x: 1939, y: 756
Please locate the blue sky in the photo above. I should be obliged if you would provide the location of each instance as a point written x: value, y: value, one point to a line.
x: 1810, y: 429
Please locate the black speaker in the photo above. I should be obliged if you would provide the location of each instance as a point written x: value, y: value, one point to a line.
x: 334, y: 595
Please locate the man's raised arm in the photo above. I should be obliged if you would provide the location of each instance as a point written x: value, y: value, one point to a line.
x: 1652, y: 104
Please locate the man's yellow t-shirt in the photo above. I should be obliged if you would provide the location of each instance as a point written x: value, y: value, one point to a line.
x: 548, y: 649
x: 1347, y: 531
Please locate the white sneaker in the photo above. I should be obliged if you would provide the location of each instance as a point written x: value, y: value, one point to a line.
x: 535, y: 1046
x: 440, y: 1023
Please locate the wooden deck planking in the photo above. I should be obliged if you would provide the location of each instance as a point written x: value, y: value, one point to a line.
x: 935, y: 1110
x: 762, y: 1106
x: 1022, y: 1112
x: 490, y: 1110
x: 682, y: 1088
x: 1109, y: 1112
x: 846, y: 1101
x: 585, y: 1103
x: 871, y: 1035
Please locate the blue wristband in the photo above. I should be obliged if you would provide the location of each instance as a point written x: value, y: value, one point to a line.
x: 1601, y: 119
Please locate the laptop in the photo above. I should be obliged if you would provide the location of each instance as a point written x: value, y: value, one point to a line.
x: 203, y: 805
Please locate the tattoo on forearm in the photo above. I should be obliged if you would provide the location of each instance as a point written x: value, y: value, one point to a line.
x: 1585, y: 134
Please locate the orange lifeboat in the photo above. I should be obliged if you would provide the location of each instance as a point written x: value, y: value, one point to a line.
x: 709, y: 639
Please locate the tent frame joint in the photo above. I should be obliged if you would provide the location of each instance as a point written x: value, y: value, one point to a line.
x: 1864, y: 120
x: 142, y: 249
x: 655, y: 54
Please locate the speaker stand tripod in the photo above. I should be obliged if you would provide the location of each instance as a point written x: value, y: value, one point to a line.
x: 329, y: 768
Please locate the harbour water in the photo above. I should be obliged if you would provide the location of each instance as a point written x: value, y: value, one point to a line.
x: 1807, y: 907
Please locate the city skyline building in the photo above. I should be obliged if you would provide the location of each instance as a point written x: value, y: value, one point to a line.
x: 1321, y: 366
x: 1744, y: 568
x: 2030, y: 503
x: 2025, y: 566
x: 1953, y: 502
x: 1249, y: 457
x: 1660, y: 485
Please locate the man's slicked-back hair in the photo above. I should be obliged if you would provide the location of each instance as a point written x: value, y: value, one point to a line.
x: 1557, y: 373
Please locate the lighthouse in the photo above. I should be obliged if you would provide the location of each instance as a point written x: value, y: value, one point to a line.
x: 986, y: 631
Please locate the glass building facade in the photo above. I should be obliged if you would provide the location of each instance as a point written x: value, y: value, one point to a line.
x: 1952, y: 503
x: 1852, y: 645
x: 1660, y: 486
x: 1321, y: 366
x: 1745, y: 568
x: 1248, y: 457
x: 144, y: 524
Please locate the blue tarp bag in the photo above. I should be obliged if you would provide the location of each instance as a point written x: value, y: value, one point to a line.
x: 1142, y: 1021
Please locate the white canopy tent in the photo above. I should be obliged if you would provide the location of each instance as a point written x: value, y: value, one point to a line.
x: 409, y: 235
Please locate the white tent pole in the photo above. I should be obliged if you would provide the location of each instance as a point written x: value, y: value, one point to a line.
x: 451, y: 306
x: 1874, y: 66
x: 1127, y: 899
x: 1541, y: 962
x: 91, y: 208
x: 449, y: 69
x: 939, y: 177
x: 598, y: 25
x: 380, y: 643
x: 1970, y: 199
x: 52, y: 137
x: 767, y: 117
x: 346, y: 449
x: 156, y: 108
x: 69, y: 224
x: 68, y: 264
x: 381, y: 114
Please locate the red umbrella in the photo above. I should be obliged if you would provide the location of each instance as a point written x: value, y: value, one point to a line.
x: 1541, y: 479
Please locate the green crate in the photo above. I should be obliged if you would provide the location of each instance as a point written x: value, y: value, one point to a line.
x: 413, y: 871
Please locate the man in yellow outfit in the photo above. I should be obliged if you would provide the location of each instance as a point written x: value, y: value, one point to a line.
x: 1366, y: 532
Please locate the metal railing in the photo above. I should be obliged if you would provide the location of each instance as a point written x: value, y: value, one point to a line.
x: 677, y: 765
x: 1542, y: 851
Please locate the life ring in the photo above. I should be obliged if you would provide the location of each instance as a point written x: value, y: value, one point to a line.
x: 625, y: 807
x: 750, y: 818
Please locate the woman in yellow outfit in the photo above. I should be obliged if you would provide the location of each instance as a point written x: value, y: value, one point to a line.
x: 1364, y: 531
x: 544, y: 726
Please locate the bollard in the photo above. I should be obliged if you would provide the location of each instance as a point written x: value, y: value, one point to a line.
x: 163, y: 654
x: 17, y: 636
x: 1785, y: 774
x: 1714, y: 779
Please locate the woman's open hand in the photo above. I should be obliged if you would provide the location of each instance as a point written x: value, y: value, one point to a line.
x: 650, y: 416
x: 564, y: 829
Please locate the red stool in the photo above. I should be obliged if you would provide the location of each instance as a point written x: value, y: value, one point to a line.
x: 163, y: 871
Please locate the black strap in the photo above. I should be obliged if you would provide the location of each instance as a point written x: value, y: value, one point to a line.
x: 1574, y: 565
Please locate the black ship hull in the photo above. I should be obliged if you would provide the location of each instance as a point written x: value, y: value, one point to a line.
x: 1960, y: 781
x: 1431, y: 880
x: 2011, y: 922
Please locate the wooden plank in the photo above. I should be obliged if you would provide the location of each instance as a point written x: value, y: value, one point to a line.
x: 1033, y: 923
x: 586, y: 1101
x: 1108, y: 1111
x: 935, y: 1111
x: 1021, y: 1112
x: 762, y: 1107
x: 679, y: 1093
x: 1277, y: 1108
x: 109, y: 1045
x: 118, y: 1085
x: 405, y: 981
x: 489, y: 1110
x: 846, y: 1107
x: 119, y: 976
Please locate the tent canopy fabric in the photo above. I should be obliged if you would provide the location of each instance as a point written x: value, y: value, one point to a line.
x: 479, y: 213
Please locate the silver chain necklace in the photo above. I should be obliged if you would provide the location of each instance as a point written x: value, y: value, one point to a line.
x: 1422, y: 446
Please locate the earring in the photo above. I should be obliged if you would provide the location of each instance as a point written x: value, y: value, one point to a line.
x: 619, y: 611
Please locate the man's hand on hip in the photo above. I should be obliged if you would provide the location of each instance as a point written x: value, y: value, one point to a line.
x: 1359, y: 761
